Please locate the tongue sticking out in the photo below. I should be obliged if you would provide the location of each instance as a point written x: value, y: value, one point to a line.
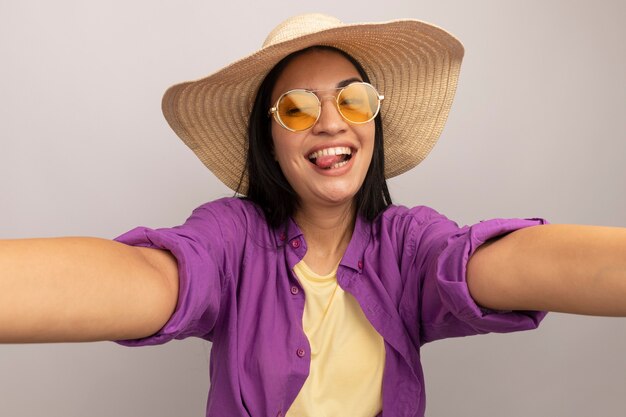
x: 326, y: 161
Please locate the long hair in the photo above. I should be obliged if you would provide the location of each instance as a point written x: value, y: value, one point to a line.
x: 267, y: 185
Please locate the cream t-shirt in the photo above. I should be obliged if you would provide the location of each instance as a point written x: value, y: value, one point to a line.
x: 347, y: 353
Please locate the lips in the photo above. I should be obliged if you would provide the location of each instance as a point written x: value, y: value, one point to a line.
x: 330, y: 158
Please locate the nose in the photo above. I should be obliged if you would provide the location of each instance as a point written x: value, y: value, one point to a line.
x: 330, y: 122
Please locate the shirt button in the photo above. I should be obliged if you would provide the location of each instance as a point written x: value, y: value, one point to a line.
x: 280, y: 414
x: 282, y: 236
x: 300, y: 352
x: 294, y: 290
x: 360, y: 264
x: 295, y: 243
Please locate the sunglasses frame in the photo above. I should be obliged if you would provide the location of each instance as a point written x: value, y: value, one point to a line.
x: 273, y: 111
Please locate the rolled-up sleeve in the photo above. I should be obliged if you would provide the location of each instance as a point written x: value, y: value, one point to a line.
x: 447, y: 308
x: 198, y: 248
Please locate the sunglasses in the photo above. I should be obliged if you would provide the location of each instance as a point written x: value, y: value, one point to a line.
x: 299, y: 109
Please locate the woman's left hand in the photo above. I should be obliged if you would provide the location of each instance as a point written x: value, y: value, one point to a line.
x: 564, y: 268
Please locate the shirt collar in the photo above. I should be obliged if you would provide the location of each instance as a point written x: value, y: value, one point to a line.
x: 352, y: 258
x: 287, y: 232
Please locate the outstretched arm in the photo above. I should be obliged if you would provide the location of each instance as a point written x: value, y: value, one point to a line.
x: 564, y: 268
x: 83, y: 289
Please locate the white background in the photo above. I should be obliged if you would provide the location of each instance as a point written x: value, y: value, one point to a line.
x: 537, y: 130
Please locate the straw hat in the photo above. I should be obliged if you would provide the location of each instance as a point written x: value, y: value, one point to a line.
x: 415, y: 65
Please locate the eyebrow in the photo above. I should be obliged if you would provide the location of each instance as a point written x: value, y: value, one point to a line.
x: 340, y: 84
x: 348, y: 81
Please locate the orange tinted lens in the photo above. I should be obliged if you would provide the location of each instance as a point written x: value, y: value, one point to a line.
x: 358, y: 102
x: 298, y: 109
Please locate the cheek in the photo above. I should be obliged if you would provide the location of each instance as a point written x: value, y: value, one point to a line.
x: 367, y: 135
x: 284, y: 148
x: 277, y: 143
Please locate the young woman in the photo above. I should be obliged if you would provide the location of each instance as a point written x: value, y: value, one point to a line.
x: 316, y: 292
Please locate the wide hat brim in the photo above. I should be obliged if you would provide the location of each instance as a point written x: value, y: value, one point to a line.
x: 414, y: 64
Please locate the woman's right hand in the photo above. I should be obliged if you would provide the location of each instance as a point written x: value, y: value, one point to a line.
x: 83, y: 289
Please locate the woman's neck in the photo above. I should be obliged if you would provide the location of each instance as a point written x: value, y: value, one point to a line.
x: 327, y: 231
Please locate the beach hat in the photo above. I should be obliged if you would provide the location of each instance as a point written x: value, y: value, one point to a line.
x: 414, y: 64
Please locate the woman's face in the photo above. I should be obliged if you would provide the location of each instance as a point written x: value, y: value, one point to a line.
x: 325, y: 180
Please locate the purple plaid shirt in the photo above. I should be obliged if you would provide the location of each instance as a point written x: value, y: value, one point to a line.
x: 406, y: 269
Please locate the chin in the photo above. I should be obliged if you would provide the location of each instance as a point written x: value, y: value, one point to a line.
x: 338, y: 195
